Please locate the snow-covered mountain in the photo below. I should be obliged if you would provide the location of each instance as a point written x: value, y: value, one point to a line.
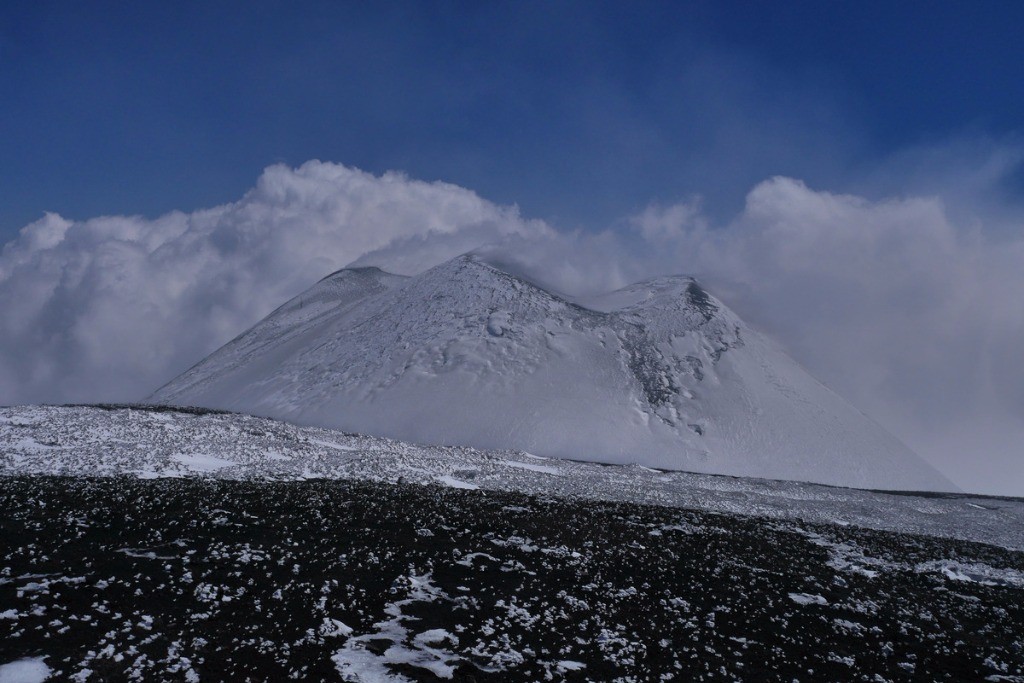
x: 659, y: 373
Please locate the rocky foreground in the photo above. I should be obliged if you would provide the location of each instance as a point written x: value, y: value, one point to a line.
x: 142, y: 543
x: 202, y: 579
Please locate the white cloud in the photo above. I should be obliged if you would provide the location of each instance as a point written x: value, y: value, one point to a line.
x: 916, y: 319
x: 908, y: 309
x: 109, y: 308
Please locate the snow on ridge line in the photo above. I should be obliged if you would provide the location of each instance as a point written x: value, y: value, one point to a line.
x: 83, y: 441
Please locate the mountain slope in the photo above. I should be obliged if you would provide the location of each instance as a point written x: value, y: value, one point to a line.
x: 659, y: 373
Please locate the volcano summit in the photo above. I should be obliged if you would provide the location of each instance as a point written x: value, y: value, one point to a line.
x: 659, y: 373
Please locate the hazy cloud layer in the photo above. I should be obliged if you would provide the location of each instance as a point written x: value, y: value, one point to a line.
x: 112, y: 307
x: 911, y: 311
x: 915, y: 318
x: 919, y: 321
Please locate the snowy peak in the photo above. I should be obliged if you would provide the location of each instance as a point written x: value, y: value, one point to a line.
x: 668, y: 292
x: 469, y: 279
x: 680, y: 293
x: 658, y: 373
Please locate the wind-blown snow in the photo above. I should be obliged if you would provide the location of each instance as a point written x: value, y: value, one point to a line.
x: 659, y: 373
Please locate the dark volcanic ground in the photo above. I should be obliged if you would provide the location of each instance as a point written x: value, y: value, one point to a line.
x: 201, y: 579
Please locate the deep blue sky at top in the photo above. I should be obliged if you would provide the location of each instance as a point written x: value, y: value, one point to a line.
x: 581, y: 113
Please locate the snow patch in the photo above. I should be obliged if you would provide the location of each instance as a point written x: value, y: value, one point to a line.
x: 424, y: 650
x: 32, y: 670
x: 456, y: 483
x: 807, y: 599
x: 334, y: 627
x: 974, y: 572
x: 201, y: 462
x: 546, y: 469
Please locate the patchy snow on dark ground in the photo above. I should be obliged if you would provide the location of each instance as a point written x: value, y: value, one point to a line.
x: 154, y: 442
x: 142, y: 543
x: 202, y: 579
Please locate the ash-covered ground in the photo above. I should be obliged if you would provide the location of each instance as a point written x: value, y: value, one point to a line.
x: 191, y: 579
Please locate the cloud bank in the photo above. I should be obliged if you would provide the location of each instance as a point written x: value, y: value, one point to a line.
x: 903, y: 306
x: 110, y: 308
x: 916, y: 319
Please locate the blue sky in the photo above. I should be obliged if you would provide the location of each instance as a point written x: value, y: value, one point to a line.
x: 580, y: 113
